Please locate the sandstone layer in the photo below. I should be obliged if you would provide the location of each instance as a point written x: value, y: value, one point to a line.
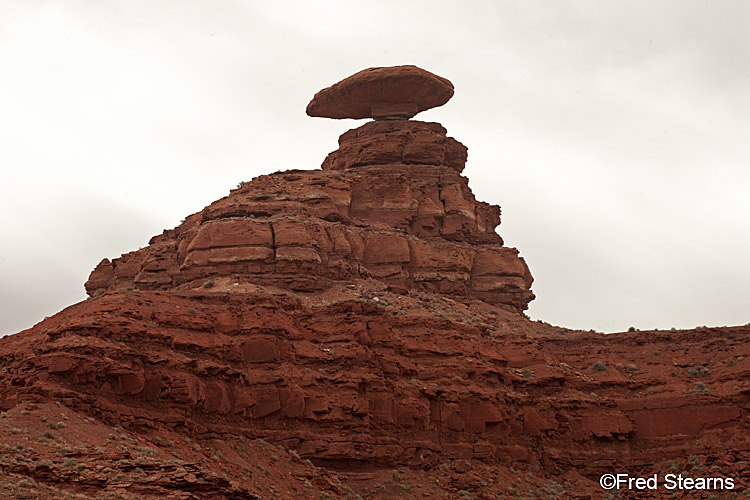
x: 409, y: 394
x: 355, y: 332
x: 396, y: 92
x: 389, y: 205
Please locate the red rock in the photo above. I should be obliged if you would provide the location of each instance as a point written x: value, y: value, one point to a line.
x: 259, y: 350
x: 266, y: 401
x: 397, y: 92
x: 60, y: 363
x: 414, y: 227
x: 101, y: 277
x: 216, y: 398
x: 369, y: 318
x: 225, y: 233
x: 397, y: 142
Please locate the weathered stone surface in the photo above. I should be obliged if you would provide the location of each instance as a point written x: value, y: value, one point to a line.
x: 417, y: 227
x: 101, y: 277
x: 396, y: 92
x: 353, y: 329
x: 358, y: 377
x: 389, y: 205
x: 397, y: 142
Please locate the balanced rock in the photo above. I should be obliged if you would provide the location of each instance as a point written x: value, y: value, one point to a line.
x: 388, y: 206
x: 390, y: 93
x: 355, y: 327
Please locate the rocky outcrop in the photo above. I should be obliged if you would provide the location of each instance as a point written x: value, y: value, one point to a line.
x: 397, y: 143
x: 354, y: 332
x: 389, y: 205
x: 360, y: 379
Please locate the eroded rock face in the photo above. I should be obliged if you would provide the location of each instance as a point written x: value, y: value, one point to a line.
x: 389, y: 205
x: 397, y: 142
x: 357, y: 328
x: 359, y: 379
x: 396, y: 92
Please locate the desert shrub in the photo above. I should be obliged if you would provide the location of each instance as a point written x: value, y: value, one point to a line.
x: 698, y: 371
x: 701, y: 387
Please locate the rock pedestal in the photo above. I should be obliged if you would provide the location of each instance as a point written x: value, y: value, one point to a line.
x: 316, y: 329
x: 389, y: 205
x: 397, y: 143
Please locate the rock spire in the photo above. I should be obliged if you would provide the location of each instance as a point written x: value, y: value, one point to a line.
x: 389, y: 206
x: 354, y: 328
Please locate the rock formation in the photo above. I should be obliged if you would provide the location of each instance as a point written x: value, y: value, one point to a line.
x: 354, y: 332
x: 397, y: 92
x: 389, y: 204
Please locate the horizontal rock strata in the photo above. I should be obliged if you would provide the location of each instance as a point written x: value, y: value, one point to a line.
x: 390, y: 205
x: 363, y: 377
x: 355, y: 332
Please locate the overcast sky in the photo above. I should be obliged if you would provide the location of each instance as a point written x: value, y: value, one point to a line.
x: 614, y: 135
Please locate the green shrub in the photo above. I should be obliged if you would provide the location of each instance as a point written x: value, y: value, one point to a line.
x: 701, y: 387
x: 599, y: 366
x: 699, y: 371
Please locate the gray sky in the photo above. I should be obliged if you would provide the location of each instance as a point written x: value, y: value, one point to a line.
x: 614, y: 135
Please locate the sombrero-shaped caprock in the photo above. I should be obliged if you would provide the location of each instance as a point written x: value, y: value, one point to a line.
x: 390, y: 93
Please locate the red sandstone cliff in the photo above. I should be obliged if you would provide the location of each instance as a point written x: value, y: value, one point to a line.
x: 390, y: 205
x: 353, y: 332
